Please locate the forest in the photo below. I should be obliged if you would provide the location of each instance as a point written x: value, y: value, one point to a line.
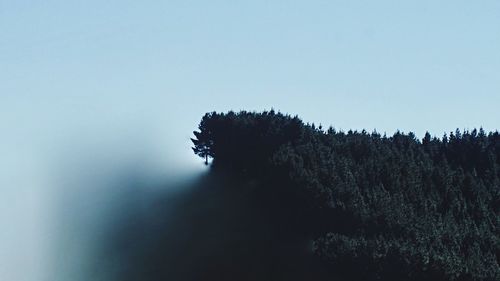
x: 374, y: 207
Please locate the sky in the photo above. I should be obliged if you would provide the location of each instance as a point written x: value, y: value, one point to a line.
x: 107, y: 82
x: 385, y: 65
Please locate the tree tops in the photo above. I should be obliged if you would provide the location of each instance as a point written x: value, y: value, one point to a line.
x: 380, y: 208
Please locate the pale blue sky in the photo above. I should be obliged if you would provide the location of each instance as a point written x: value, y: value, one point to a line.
x: 410, y: 65
x: 90, y: 86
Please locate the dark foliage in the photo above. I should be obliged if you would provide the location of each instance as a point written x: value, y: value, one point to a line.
x: 377, y: 207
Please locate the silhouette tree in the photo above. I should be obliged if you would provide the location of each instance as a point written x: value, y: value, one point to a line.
x: 204, y: 141
x: 201, y: 146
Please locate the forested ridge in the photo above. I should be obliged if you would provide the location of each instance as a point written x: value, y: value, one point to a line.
x: 376, y: 207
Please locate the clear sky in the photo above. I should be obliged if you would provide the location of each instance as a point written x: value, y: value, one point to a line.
x: 81, y: 77
x: 409, y: 65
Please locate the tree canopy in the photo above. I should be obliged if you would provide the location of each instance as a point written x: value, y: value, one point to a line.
x: 378, y: 207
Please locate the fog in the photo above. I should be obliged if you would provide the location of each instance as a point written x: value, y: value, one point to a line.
x: 71, y: 169
x: 95, y: 196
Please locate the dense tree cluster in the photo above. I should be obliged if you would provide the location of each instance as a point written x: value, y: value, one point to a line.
x: 378, y: 207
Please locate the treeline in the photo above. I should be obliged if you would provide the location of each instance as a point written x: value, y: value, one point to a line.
x: 378, y: 207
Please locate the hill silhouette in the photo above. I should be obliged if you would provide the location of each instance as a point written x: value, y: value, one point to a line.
x: 286, y: 200
x: 376, y: 207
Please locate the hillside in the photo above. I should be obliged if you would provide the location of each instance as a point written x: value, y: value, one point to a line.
x: 374, y: 207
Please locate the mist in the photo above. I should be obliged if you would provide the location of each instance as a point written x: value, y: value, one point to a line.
x: 71, y: 169
x: 107, y: 189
